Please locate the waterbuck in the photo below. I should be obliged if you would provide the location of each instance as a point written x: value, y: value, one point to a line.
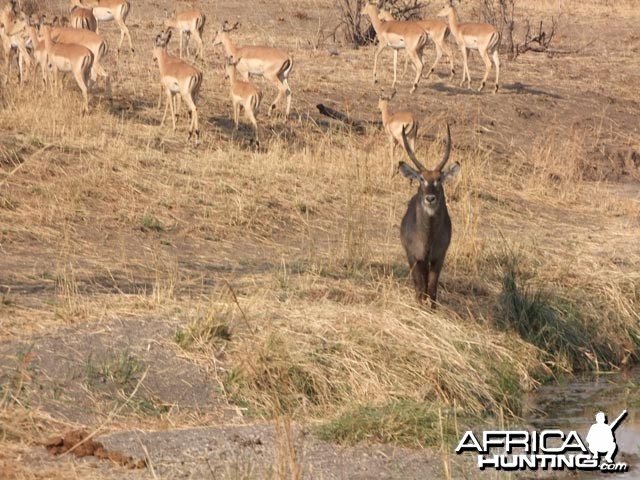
x: 426, y: 225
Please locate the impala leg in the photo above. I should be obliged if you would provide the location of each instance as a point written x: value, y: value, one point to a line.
x: 200, y: 43
x: 160, y: 96
x: 124, y: 30
x: 406, y: 65
x: 193, y: 111
x: 447, y: 50
x: 187, y: 42
x: 487, y: 67
x: 438, y: 56
x: 496, y: 61
x: 281, y: 92
x: 103, y: 73
x: 395, y: 67
x: 166, y: 107
x: 465, y: 67
x: 415, y: 58
x: 173, y: 111
x: 381, y: 47
x: 250, y: 114
x: 81, y: 80
x: 236, y: 115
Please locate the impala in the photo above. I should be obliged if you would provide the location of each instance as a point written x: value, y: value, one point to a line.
x: 12, y: 35
x: 426, y: 226
x: 245, y: 95
x: 482, y: 37
x: 69, y: 58
x: 83, y: 18
x: 90, y: 40
x: 438, y: 31
x: 187, y: 23
x: 178, y: 77
x: 107, y: 10
x: 398, y: 35
x: 39, y: 54
x: 394, y: 124
x: 273, y: 64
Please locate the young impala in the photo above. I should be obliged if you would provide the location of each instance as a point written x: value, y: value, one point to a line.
x: 188, y: 23
x: 395, y: 123
x: 69, y: 58
x: 482, y: 37
x: 273, y: 64
x: 178, y: 77
x: 245, y: 95
x: 426, y: 226
x: 83, y: 18
x: 107, y: 10
x: 438, y: 31
x: 397, y: 35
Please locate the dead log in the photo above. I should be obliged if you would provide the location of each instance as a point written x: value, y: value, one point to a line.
x: 344, y: 118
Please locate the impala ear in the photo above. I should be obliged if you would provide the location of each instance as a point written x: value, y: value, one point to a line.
x: 409, y: 172
x: 450, y: 172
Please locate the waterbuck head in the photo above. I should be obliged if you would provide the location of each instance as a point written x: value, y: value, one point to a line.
x: 430, y: 190
x: 426, y: 227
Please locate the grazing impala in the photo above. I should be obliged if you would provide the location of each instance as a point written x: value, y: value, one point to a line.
x: 83, y: 18
x: 188, y: 23
x: 107, y: 10
x: 438, y: 31
x: 245, y: 95
x: 426, y: 226
x: 482, y: 37
x: 398, y: 35
x: 273, y: 64
x: 69, y: 58
x: 178, y: 77
x: 90, y: 40
x: 395, y: 123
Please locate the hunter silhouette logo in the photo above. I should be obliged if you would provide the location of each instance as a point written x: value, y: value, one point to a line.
x: 601, y: 438
x: 547, y: 449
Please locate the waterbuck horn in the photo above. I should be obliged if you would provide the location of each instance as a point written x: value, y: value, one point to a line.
x: 409, y: 151
x: 447, y: 151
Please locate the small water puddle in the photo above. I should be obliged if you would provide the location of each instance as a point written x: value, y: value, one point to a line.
x: 573, y: 405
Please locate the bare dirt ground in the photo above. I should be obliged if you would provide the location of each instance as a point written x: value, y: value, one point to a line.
x: 116, y: 235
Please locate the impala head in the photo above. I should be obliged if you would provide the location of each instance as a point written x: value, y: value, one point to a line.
x: 385, y: 16
x: 369, y: 9
x: 383, y: 99
x: 160, y: 43
x: 431, y: 191
x: 446, y: 10
x: 224, y: 30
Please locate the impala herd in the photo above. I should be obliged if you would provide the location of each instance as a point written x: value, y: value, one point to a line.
x: 75, y: 45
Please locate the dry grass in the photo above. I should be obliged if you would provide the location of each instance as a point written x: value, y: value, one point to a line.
x: 292, y: 251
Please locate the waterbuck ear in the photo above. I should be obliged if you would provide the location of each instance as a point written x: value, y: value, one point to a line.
x: 451, y: 171
x: 408, y: 172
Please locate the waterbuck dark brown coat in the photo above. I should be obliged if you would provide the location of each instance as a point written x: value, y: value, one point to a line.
x: 426, y: 225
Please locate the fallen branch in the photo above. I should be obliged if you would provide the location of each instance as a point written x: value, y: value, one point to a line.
x: 344, y: 118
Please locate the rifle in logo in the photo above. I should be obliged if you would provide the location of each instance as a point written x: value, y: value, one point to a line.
x: 601, y: 438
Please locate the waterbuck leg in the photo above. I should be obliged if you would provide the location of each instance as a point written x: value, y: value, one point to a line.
x: 420, y: 274
x: 432, y: 289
